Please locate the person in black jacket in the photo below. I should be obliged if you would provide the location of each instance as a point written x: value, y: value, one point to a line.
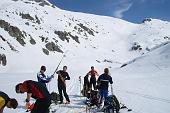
x: 37, y: 91
x: 86, y: 86
x: 6, y: 101
x: 62, y: 76
x: 103, y: 83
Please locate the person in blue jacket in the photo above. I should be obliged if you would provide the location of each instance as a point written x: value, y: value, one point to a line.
x: 42, y: 78
x: 103, y: 84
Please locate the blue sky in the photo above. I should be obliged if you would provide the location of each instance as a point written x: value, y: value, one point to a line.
x: 130, y: 10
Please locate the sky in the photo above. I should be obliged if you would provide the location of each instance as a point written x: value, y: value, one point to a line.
x: 131, y: 10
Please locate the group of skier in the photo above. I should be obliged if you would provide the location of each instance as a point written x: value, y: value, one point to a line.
x: 101, y: 84
x: 38, y: 89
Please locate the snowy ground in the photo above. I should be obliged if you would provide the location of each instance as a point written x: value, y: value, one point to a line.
x: 142, y: 92
x: 142, y: 85
x: 143, y: 88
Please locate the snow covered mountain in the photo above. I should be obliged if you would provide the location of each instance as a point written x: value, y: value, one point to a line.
x: 35, y: 33
x: 36, y: 28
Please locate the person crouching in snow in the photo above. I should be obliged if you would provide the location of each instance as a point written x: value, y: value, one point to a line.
x: 6, y: 101
x: 37, y: 91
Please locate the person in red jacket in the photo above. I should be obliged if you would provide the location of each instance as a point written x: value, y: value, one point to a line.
x: 37, y: 91
x: 93, y: 74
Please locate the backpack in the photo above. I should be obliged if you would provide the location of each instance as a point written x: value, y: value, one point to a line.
x: 93, y: 98
x: 86, y: 86
x: 111, y: 104
x: 55, y: 97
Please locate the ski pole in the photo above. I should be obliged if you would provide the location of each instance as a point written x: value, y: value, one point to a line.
x: 59, y: 64
x: 111, y: 89
x: 80, y: 84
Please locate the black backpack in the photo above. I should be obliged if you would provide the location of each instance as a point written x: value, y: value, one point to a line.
x: 93, y: 98
x: 86, y: 86
x: 111, y: 104
x: 55, y: 97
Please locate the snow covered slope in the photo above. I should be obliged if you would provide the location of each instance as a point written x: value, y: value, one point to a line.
x: 144, y: 84
x: 35, y: 33
x: 47, y: 31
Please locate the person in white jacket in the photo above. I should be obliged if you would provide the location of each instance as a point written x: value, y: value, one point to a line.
x: 42, y: 78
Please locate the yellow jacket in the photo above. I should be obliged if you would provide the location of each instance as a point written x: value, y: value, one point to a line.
x: 2, y: 102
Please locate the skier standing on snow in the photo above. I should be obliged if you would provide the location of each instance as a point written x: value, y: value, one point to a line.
x: 62, y: 76
x: 42, y: 78
x: 6, y: 101
x: 93, y: 74
x: 103, y: 84
x: 37, y: 91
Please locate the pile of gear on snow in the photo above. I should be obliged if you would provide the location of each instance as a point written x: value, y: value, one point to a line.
x: 110, y: 104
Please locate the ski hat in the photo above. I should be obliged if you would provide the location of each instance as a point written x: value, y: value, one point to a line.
x: 13, y: 103
x: 106, y: 70
x: 43, y: 68
x: 65, y: 67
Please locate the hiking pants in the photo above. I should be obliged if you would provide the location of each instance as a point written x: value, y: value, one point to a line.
x: 103, y: 94
x: 93, y: 82
x: 41, y: 106
x: 62, y: 89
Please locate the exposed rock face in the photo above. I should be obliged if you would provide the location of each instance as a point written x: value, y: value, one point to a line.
x: 75, y: 38
x: 51, y: 46
x: 10, y: 45
x: 166, y: 37
x: 37, y: 20
x: 136, y: 46
x: 108, y: 61
x: 13, y: 31
x: 3, y: 60
x: 45, y: 51
x: 29, y: 17
x: 147, y: 20
x: 63, y: 35
x: 26, y: 16
x: 32, y: 41
x: 86, y: 29
x: 41, y: 2
x: 44, y: 39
